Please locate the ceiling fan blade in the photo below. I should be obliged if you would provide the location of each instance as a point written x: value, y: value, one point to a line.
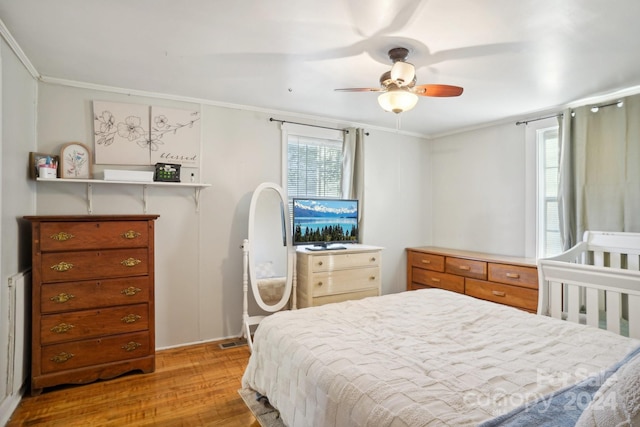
x: 438, y: 90
x: 360, y: 89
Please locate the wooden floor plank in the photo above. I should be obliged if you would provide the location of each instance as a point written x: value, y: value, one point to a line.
x: 192, y: 386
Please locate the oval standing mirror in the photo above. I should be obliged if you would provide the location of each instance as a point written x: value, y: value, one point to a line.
x: 270, y: 249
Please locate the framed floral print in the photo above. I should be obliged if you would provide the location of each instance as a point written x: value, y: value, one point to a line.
x: 75, y: 161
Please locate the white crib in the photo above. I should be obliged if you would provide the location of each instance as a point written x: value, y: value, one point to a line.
x: 596, y: 282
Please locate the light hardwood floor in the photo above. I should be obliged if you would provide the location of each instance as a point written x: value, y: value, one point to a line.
x: 192, y: 386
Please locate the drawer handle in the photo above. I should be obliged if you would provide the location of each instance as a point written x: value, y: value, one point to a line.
x: 372, y: 277
x: 131, y: 318
x: 130, y: 234
x: 499, y: 293
x: 130, y: 291
x: 131, y: 345
x: 435, y: 280
x: 425, y: 261
x: 62, y: 357
x: 319, y: 262
x: 62, y: 328
x: 319, y: 283
x: 464, y: 267
x: 62, y: 266
x: 62, y: 298
x: 130, y: 262
x: 513, y: 275
x: 373, y: 259
x: 62, y: 236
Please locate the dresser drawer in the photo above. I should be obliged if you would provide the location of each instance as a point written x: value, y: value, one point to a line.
x: 514, y: 275
x: 342, y: 281
x: 64, y: 236
x: 93, y: 323
x: 330, y: 262
x: 438, y: 280
x: 428, y: 261
x: 328, y: 299
x: 67, y: 296
x: 77, y: 354
x: 515, y: 296
x: 466, y: 267
x: 66, y: 266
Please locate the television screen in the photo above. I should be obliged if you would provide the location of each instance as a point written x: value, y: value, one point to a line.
x: 322, y: 222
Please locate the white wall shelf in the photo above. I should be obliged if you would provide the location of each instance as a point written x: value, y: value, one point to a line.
x: 91, y: 182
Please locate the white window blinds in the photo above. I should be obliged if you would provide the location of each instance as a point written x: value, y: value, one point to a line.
x: 314, y: 167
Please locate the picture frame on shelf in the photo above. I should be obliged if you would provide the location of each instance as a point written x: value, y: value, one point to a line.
x: 75, y: 161
x: 38, y: 159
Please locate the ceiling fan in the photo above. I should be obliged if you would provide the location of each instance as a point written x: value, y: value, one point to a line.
x: 398, y: 86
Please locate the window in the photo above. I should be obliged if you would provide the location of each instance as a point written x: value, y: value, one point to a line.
x: 313, y: 162
x: 549, y: 241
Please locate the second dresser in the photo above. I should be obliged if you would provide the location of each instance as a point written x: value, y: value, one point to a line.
x: 506, y: 280
x: 337, y: 275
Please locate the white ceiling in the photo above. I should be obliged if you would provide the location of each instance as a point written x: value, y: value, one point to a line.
x: 513, y: 58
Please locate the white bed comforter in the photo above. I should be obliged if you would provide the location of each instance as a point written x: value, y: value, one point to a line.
x: 419, y: 358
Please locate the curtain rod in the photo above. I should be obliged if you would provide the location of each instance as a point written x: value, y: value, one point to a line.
x: 271, y: 119
x: 526, y: 122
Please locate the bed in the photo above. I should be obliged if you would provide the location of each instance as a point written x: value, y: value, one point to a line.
x: 433, y: 357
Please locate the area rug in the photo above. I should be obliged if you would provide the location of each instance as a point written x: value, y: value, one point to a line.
x: 266, y: 414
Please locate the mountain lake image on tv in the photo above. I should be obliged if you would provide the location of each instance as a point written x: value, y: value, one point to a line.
x: 325, y: 221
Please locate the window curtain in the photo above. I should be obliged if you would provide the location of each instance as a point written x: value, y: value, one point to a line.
x: 353, y: 170
x: 599, y: 178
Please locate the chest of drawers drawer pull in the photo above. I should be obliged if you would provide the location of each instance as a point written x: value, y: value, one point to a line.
x: 319, y: 283
x: 513, y: 275
x: 372, y: 277
x: 130, y: 262
x: 425, y: 261
x: 130, y: 291
x: 320, y: 263
x: 499, y: 293
x: 464, y: 267
x: 131, y: 234
x: 373, y: 259
x: 62, y: 266
x: 131, y: 346
x: 61, y: 298
x: 131, y: 318
x: 61, y: 236
x: 435, y: 280
x: 62, y: 357
x: 62, y: 328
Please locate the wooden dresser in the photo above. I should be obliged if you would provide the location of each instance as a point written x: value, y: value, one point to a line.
x: 337, y: 275
x: 92, y: 298
x: 506, y: 280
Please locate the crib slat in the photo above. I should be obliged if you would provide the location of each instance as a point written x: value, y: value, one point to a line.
x: 613, y: 312
x: 634, y: 316
x: 633, y: 262
x: 555, y: 299
x: 573, y: 303
x: 593, y: 315
x: 598, y: 258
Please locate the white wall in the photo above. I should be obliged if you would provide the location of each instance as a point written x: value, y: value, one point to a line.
x: 17, y: 138
x: 198, y: 255
x: 480, y: 196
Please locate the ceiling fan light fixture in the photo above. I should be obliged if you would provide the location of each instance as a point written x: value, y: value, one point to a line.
x: 397, y: 100
x: 403, y: 73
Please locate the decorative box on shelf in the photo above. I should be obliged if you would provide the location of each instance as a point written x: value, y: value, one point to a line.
x: 128, y: 175
x: 167, y: 172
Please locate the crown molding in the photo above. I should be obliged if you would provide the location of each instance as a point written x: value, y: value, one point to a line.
x: 15, y: 47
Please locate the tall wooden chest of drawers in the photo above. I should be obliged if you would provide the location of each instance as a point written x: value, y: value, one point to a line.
x: 92, y: 298
x: 506, y: 280
x: 337, y: 275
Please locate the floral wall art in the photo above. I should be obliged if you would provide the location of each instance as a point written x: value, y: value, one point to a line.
x: 133, y: 134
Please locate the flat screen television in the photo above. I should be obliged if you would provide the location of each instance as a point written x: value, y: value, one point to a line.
x: 325, y: 223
